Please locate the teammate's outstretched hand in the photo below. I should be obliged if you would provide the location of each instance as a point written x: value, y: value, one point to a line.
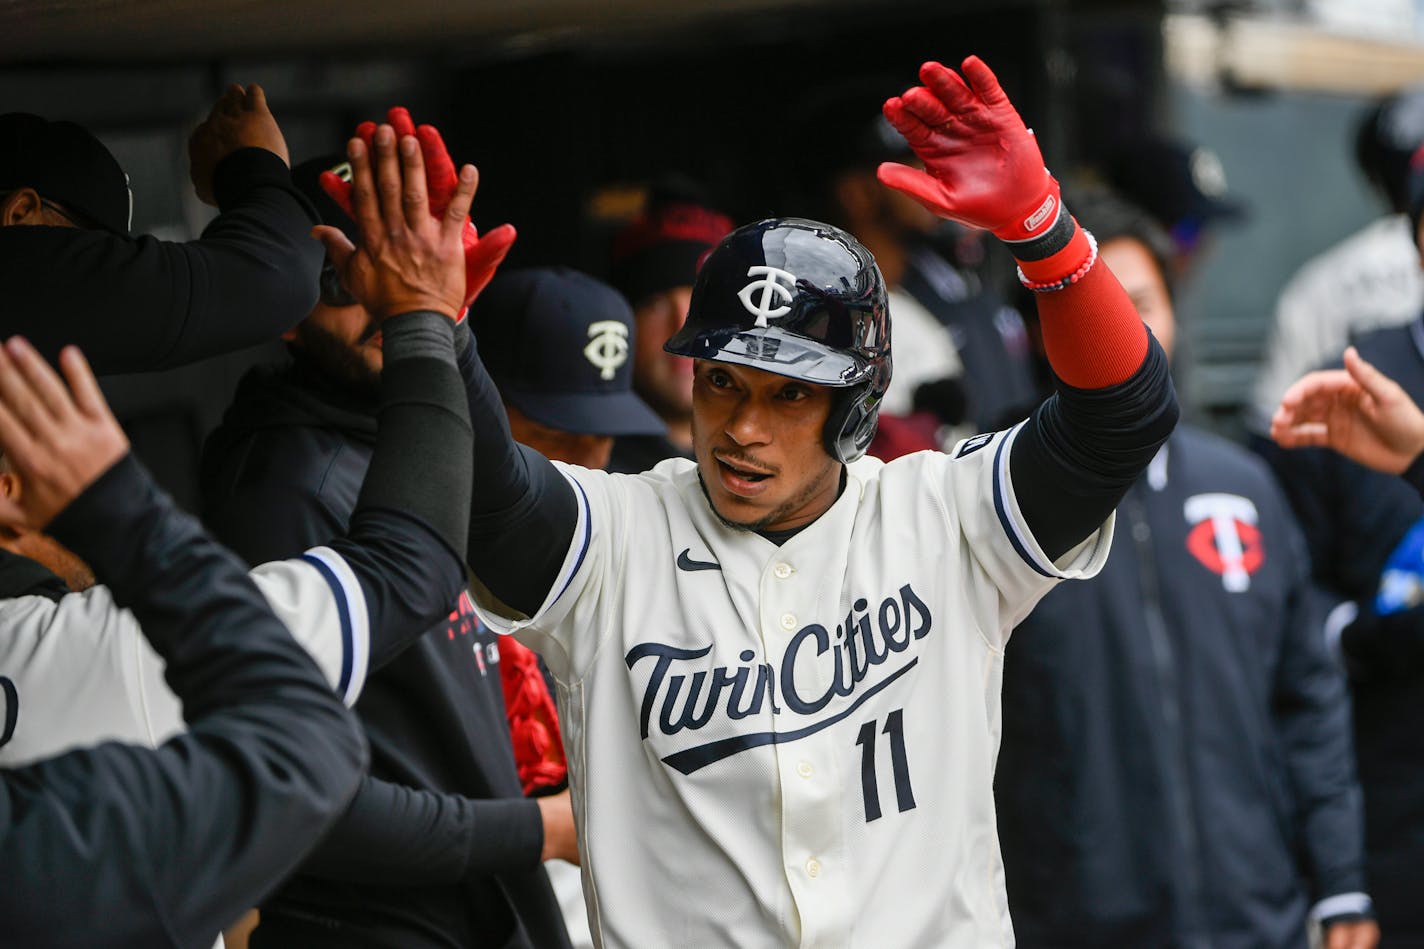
x: 408, y: 259
x: 1358, y: 411
x: 239, y: 119
x: 59, y: 440
x: 982, y: 165
x: 483, y: 255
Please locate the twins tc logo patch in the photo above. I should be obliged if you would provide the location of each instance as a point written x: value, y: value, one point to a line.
x: 1224, y: 537
x: 607, y: 347
x: 775, y: 286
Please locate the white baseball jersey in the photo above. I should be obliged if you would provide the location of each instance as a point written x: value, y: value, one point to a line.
x: 79, y: 671
x: 793, y: 745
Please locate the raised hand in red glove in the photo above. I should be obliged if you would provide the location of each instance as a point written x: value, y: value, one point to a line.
x: 483, y: 255
x: 982, y: 165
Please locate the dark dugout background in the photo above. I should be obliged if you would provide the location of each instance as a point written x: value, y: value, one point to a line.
x: 565, y: 123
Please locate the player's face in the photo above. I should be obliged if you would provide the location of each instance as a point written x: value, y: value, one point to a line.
x: 586, y: 451
x: 757, y: 438
x: 345, y: 342
x: 662, y: 379
x: 1136, y: 269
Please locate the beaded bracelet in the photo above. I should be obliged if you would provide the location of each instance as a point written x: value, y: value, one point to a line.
x: 1082, y: 271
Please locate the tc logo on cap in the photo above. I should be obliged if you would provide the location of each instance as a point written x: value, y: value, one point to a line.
x: 772, y: 290
x: 607, y: 347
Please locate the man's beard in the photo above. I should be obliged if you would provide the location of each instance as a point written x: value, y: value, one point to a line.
x: 782, y: 511
x: 341, y: 362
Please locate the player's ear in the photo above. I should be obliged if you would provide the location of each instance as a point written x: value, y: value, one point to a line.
x: 10, y: 489
x: 21, y: 206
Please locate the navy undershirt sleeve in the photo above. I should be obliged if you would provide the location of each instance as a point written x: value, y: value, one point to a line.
x: 401, y: 836
x: 407, y: 535
x: 1082, y: 449
x: 516, y: 493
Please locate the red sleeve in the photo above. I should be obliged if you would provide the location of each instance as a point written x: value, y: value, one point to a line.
x: 1091, y: 331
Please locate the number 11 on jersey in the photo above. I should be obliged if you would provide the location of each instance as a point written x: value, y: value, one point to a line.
x: 904, y: 796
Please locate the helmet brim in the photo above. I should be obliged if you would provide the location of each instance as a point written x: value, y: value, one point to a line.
x: 775, y: 351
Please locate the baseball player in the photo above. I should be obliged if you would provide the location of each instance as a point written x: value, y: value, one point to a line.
x: 65, y: 214
x: 778, y: 665
x: 140, y: 847
x: 230, y: 808
x: 79, y: 665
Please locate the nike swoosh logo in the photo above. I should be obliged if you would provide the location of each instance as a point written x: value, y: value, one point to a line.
x: 684, y: 562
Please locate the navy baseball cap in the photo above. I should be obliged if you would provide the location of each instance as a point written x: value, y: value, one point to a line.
x: 1175, y: 183
x: 559, y: 345
x: 65, y: 164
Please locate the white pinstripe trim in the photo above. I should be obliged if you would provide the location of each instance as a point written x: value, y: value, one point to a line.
x: 1340, y: 616
x: 582, y: 539
x: 359, y: 648
x: 1011, y: 518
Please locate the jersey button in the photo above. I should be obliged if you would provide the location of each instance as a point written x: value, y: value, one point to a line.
x: 782, y: 571
x: 788, y: 621
x: 813, y: 868
x: 804, y: 769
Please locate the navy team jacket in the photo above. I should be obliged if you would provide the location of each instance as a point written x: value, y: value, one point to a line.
x: 1176, y: 767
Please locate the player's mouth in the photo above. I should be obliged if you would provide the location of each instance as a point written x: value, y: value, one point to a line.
x: 741, y: 477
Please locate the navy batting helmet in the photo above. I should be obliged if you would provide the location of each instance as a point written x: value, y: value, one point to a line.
x: 800, y: 299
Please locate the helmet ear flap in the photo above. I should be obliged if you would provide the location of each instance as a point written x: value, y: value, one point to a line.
x: 851, y: 425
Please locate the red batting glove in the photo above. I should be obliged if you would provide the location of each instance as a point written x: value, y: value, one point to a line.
x: 982, y: 165
x: 483, y: 255
x: 441, y: 177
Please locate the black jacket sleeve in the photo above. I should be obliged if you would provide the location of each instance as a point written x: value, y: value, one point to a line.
x: 1083, y: 448
x: 515, y: 492
x: 129, y: 846
x: 1311, y: 710
x: 399, y: 836
x: 406, y: 541
x: 144, y: 304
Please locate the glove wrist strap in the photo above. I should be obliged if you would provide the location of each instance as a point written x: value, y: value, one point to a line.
x: 1064, y: 267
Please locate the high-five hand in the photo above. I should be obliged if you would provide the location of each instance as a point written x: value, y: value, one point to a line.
x: 239, y: 119
x: 483, y: 255
x: 408, y: 259
x: 59, y: 440
x: 1358, y: 411
x: 982, y: 165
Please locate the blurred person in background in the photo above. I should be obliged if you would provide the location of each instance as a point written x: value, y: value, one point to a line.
x: 65, y: 246
x: 928, y: 390
x: 440, y: 847
x: 1365, y: 532
x: 655, y: 261
x: 1176, y: 765
x: 1369, y: 280
x: 1183, y: 187
x: 962, y: 354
